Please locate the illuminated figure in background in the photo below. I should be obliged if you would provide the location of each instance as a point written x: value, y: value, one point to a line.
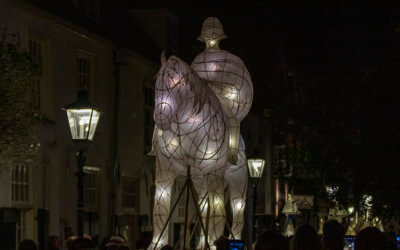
x: 196, y: 110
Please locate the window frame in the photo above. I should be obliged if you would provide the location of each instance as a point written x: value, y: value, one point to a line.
x: 95, y: 171
x: 44, y: 88
x: 91, y: 74
x: 15, y: 182
x: 132, y: 194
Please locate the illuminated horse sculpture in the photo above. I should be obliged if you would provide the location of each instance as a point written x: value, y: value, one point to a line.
x: 191, y: 130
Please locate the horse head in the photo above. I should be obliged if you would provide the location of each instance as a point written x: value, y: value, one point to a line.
x: 176, y: 82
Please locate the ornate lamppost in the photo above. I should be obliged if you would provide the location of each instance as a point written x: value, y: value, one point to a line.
x: 256, y: 168
x: 82, y: 119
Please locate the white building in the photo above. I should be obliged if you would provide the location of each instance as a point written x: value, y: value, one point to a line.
x: 39, y: 199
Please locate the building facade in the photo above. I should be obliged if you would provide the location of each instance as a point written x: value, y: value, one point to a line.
x: 39, y: 198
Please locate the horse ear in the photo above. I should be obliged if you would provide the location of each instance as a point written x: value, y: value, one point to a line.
x: 163, y: 59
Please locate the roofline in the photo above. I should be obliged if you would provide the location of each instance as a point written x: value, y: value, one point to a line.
x: 70, y: 27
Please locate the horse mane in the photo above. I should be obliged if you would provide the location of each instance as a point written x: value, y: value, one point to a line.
x: 196, y: 84
x: 198, y: 87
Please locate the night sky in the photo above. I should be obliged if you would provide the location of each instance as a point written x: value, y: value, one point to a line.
x: 320, y: 39
x: 341, y: 57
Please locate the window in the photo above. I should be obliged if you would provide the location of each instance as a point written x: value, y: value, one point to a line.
x: 38, y: 47
x: 35, y: 50
x: 148, y: 118
x: 128, y: 192
x: 20, y: 197
x: 83, y: 71
x: 19, y: 183
x: 91, y: 187
x: 85, y: 67
x: 91, y: 223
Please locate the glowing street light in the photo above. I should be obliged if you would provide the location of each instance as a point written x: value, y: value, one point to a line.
x: 82, y: 120
x: 256, y: 168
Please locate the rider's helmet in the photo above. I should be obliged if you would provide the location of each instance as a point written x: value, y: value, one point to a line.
x: 212, y: 31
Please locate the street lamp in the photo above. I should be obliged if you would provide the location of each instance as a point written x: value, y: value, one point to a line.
x: 256, y: 168
x: 82, y: 119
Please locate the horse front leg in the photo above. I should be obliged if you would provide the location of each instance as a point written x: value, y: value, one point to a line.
x: 162, y: 201
x: 236, y: 176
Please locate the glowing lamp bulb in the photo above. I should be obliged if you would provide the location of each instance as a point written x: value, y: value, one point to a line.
x: 239, y: 204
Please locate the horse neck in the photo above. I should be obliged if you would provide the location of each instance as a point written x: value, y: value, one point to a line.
x: 196, y: 98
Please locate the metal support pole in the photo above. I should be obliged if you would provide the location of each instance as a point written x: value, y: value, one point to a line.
x: 188, y: 186
x: 254, y: 210
x: 81, y: 159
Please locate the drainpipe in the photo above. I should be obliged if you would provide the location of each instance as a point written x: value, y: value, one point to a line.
x: 114, y: 145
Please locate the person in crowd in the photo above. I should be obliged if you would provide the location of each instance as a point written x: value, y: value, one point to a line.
x: 271, y: 240
x: 332, y: 235
x: 305, y: 238
x: 391, y: 238
x: 221, y: 243
x: 67, y: 232
x: 27, y: 245
x: 104, y: 243
x: 54, y: 243
x: 144, y: 241
x: 70, y: 241
x: 371, y: 238
x: 167, y: 247
x: 253, y: 245
x: 83, y: 244
x: 123, y: 247
x: 114, y: 242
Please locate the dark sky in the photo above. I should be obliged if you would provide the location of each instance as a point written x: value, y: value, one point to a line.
x: 337, y: 39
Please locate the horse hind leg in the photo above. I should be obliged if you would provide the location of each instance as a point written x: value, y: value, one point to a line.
x: 236, y: 176
x: 202, y: 195
x: 217, y: 217
x: 162, y: 202
x: 211, y: 203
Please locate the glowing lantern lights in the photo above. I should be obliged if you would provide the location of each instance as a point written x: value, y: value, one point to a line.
x: 83, y: 119
x: 256, y: 167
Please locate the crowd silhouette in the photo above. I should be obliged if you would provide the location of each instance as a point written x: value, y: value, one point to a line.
x: 305, y: 238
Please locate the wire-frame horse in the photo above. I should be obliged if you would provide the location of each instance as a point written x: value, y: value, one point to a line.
x: 191, y: 130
